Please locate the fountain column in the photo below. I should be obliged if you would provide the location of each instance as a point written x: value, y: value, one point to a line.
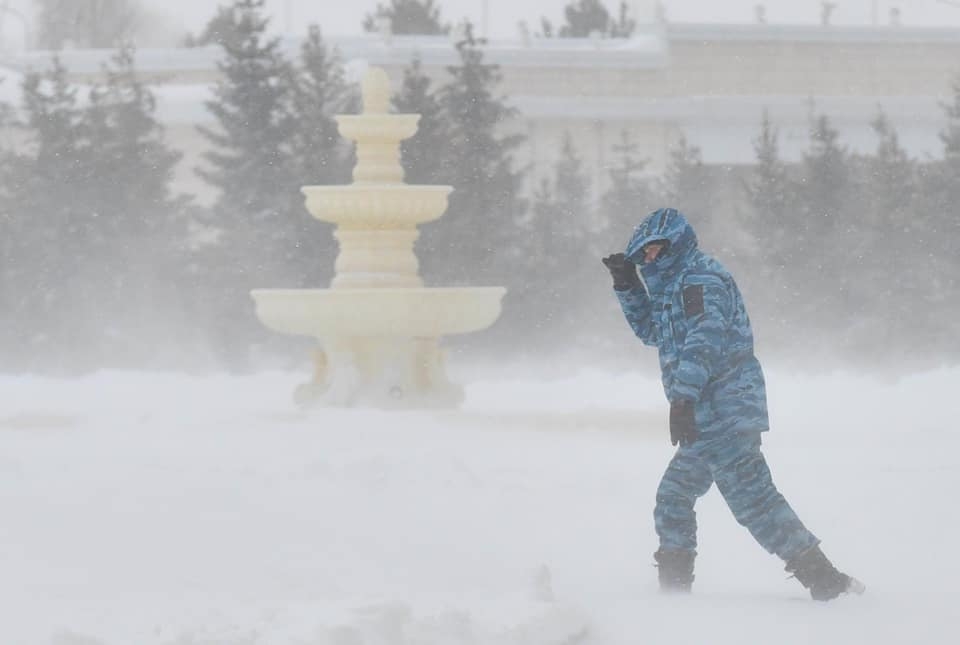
x: 378, y: 327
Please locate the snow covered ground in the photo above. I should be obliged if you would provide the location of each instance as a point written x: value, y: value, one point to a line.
x: 158, y: 509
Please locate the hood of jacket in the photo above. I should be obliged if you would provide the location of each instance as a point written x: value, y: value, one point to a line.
x: 663, y: 225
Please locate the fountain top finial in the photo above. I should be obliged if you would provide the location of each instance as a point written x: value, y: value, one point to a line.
x: 375, y: 88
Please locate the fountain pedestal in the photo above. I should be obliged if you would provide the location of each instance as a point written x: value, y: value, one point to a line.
x: 385, y: 373
x: 378, y: 327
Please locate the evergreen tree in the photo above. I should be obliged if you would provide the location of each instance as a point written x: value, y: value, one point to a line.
x: 688, y: 186
x: 86, y: 23
x: 49, y: 180
x: 219, y: 28
x: 10, y: 277
x: 320, y: 92
x: 826, y: 178
x: 7, y: 120
x: 945, y: 223
x: 133, y: 165
x: 627, y: 200
x: 770, y: 197
x: 624, y: 25
x: 139, y: 228
x: 892, y: 186
x: 629, y: 197
x: 824, y: 238
x: 950, y: 136
x: 94, y: 180
x: 476, y: 242
x: 770, y: 217
x: 6, y: 111
x: 947, y: 227
x: 558, y: 242
x: 585, y: 17
x: 408, y: 17
x: 426, y: 154
x: 250, y: 164
x: 546, y: 28
x: 562, y: 216
x: 888, y: 224
x: 319, y: 154
x: 945, y: 188
x: 936, y: 227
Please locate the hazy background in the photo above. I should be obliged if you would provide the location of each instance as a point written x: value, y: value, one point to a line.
x: 158, y: 500
x: 167, y: 20
x: 345, y: 17
x: 159, y: 196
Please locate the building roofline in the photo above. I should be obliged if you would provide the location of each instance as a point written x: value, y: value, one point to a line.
x: 648, y: 49
x: 883, y: 34
x: 747, y: 108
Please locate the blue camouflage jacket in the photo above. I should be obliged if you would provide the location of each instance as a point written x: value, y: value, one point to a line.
x: 692, y: 311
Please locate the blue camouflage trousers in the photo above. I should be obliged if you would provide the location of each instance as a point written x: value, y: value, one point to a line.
x: 735, y: 463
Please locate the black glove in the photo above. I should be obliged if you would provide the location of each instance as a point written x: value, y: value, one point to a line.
x: 624, y: 271
x: 683, y: 425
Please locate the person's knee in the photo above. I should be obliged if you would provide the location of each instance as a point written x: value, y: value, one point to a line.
x: 689, y: 484
x: 748, y: 471
x: 672, y: 504
x: 756, y: 510
x: 675, y: 522
x: 748, y: 488
x: 676, y: 492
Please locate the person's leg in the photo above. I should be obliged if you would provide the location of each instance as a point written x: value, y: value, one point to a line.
x: 687, y: 478
x: 744, y: 480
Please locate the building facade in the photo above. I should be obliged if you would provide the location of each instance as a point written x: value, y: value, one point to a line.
x: 709, y: 83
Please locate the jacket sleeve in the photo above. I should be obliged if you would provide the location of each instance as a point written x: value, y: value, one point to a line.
x: 638, y: 310
x: 707, y: 309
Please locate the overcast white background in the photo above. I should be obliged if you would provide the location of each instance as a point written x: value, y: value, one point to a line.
x: 168, y: 20
x: 339, y: 17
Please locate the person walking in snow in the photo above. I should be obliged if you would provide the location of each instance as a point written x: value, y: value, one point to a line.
x: 689, y: 307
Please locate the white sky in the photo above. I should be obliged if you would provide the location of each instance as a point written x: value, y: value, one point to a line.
x: 170, y: 19
x: 345, y: 16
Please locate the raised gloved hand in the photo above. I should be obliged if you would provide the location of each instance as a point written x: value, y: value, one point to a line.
x: 623, y: 271
x: 683, y: 425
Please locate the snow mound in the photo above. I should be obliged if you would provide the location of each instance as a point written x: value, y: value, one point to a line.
x: 163, y: 509
x: 392, y: 624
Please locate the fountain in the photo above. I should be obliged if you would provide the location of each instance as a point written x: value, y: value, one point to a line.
x: 378, y: 327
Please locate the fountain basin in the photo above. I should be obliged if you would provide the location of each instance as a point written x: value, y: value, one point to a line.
x: 373, y: 128
x: 379, y: 312
x: 378, y: 328
x: 376, y: 206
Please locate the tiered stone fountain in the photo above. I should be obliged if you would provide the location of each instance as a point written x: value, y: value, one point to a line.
x: 378, y: 327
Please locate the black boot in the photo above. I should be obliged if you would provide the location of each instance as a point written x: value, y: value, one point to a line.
x: 675, y: 569
x: 816, y: 573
